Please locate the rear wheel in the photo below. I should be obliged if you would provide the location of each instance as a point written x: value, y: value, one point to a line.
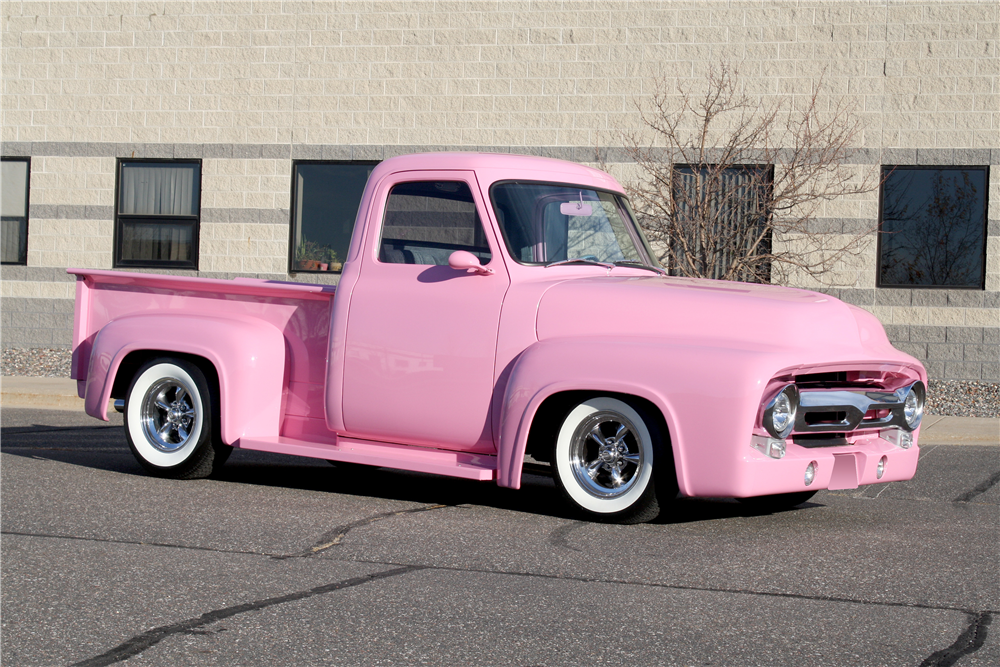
x: 604, y: 457
x: 170, y: 414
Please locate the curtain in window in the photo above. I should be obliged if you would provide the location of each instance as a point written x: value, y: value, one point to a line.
x: 157, y: 190
x: 13, y: 210
x: 146, y: 241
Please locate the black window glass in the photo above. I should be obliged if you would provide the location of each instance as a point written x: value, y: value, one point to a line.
x: 427, y: 221
x: 14, y: 174
x: 326, y: 199
x: 933, y: 227
x: 158, y: 214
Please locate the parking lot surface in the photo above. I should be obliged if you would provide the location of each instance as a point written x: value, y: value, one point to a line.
x: 281, y: 560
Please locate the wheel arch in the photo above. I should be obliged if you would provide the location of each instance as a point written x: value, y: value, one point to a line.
x: 551, y: 376
x: 243, y: 360
x: 136, y: 359
x: 554, y: 407
x: 543, y: 415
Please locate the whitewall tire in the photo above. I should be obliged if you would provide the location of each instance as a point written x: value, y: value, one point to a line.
x: 169, y: 420
x: 603, y: 458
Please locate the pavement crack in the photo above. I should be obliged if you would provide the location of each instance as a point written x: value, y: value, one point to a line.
x: 980, y: 489
x: 138, y: 543
x: 336, y: 536
x: 557, y: 537
x: 141, y: 642
x: 680, y: 587
x: 970, y: 641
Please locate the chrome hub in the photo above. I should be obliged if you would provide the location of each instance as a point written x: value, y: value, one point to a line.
x: 168, y: 414
x: 605, y: 456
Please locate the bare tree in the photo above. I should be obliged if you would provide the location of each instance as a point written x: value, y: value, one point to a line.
x: 731, y: 185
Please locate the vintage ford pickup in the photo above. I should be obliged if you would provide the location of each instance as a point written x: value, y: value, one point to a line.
x: 498, y: 307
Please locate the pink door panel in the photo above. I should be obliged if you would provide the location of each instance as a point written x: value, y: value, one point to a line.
x: 421, y: 336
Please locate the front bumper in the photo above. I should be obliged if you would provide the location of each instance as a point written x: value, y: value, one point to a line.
x: 841, y: 467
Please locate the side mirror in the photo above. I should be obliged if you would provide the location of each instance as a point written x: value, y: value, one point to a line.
x: 461, y: 260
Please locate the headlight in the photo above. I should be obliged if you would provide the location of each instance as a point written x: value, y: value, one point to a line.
x: 779, y: 415
x: 913, y: 404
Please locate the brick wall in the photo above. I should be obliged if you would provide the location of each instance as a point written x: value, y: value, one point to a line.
x: 249, y: 86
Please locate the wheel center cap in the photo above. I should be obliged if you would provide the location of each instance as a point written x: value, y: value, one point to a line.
x: 608, y: 454
x: 174, y: 415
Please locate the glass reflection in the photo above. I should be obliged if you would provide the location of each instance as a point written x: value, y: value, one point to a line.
x: 933, y: 227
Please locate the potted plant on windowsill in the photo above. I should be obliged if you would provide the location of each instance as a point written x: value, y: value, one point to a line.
x: 330, y: 261
x: 311, y: 256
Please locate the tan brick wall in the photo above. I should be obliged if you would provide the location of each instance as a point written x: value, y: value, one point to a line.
x: 923, y: 73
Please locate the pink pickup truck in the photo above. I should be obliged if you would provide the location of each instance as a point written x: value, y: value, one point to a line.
x: 498, y: 307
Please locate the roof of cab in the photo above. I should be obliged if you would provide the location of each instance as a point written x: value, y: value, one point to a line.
x: 492, y: 167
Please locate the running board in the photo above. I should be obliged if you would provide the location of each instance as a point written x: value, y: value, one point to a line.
x: 402, y: 457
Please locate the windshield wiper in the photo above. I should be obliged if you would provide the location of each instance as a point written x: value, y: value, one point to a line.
x: 590, y: 259
x: 635, y: 264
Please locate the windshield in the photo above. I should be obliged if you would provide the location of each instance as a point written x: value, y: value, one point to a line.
x: 544, y: 223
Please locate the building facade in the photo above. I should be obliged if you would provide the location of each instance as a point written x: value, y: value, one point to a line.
x: 225, y: 139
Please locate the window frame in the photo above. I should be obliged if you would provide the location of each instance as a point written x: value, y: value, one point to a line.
x: 190, y: 265
x: 766, y: 168
x: 886, y: 171
x: 23, y: 260
x: 293, y: 211
x: 477, y: 210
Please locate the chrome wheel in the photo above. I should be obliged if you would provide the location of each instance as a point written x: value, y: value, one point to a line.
x: 168, y: 414
x: 605, y: 456
x: 603, y: 459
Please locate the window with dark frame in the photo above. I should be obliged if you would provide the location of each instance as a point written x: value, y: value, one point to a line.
x: 157, y: 213
x: 722, y: 215
x: 426, y: 221
x: 932, y: 227
x: 15, y: 176
x: 325, y: 200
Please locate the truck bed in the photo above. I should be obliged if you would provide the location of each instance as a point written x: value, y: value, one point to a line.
x: 300, y: 312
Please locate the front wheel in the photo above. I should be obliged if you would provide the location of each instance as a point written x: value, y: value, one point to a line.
x: 169, y: 413
x: 603, y: 457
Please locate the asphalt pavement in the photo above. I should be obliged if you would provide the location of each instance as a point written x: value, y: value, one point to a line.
x: 283, y: 560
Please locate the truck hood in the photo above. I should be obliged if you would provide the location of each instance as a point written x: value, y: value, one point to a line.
x: 709, y: 313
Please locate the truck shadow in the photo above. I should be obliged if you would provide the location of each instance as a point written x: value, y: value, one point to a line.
x: 104, y: 448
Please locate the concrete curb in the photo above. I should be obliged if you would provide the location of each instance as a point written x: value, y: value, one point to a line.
x: 40, y: 394
x: 60, y: 394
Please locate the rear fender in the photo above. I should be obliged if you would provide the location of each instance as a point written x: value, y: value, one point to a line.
x: 248, y: 356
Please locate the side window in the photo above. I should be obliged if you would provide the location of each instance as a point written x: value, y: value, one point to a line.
x: 325, y: 200
x: 427, y: 221
x: 932, y: 230
x: 14, y: 174
x: 157, y: 214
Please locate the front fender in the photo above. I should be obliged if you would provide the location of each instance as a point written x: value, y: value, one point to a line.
x: 708, y: 396
x: 248, y: 355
